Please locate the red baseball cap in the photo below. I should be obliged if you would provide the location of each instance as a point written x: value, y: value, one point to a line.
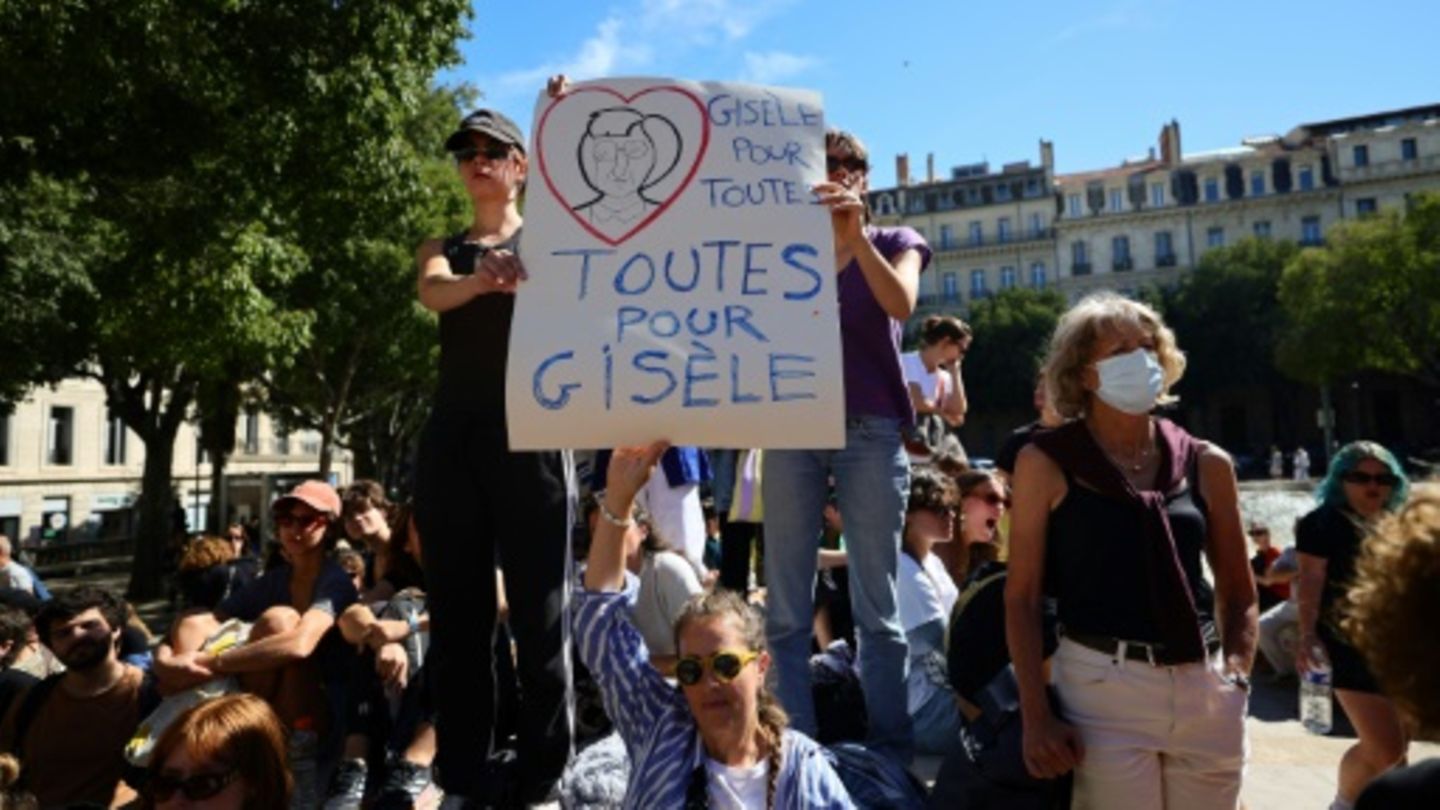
x: 317, y: 495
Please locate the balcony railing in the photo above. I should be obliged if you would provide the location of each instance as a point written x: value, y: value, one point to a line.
x: 1080, y: 269
x: 1123, y: 263
x: 1166, y: 260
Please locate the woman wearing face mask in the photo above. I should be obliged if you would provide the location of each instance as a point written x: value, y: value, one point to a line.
x: 1112, y: 514
x: 720, y: 740
x: 1364, y: 484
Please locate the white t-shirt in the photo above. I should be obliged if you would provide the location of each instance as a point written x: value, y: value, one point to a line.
x: 926, y: 593
x: 933, y: 384
x: 736, y: 788
x: 667, y: 580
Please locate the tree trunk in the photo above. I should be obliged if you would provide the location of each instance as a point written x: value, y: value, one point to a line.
x: 156, y: 526
x: 214, y: 520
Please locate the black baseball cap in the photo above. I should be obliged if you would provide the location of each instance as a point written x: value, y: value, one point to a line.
x: 486, y: 122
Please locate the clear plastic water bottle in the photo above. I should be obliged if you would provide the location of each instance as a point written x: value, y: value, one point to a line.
x: 303, y: 754
x: 1315, y: 705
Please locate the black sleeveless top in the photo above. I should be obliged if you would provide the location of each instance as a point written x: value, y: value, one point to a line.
x: 475, y: 339
x: 1095, y: 570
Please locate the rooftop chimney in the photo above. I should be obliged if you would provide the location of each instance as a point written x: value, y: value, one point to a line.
x: 930, y: 167
x: 1170, y: 143
x: 1047, y: 156
x: 902, y: 170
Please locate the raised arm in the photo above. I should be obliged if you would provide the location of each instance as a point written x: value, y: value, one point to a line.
x: 629, y: 469
x: 954, y: 405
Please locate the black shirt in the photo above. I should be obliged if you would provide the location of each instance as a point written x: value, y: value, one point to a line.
x: 475, y: 339
x: 1331, y: 534
x: 976, y: 650
x: 1014, y: 443
x: 1414, y: 788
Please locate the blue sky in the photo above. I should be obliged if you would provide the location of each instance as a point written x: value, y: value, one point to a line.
x: 974, y: 81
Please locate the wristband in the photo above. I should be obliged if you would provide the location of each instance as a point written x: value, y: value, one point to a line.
x: 610, y: 517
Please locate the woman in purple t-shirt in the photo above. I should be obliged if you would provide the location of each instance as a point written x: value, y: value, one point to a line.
x: 878, y: 278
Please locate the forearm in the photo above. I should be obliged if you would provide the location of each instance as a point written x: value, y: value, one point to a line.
x: 1239, y: 628
x: 271, y: 652
x: 1024, y: 637
x: 832, y: 558
x: 1308, y: 605
x: 955, y: 402
x: 354, y: 622
x: 892, y: 291
x: 605, y: 565
x: 441, y: 293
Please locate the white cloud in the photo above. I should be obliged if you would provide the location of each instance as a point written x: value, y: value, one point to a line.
x: 775, y: 67
x: 602, y: 54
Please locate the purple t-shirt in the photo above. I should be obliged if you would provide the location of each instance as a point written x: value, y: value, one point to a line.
x: 870, y: 338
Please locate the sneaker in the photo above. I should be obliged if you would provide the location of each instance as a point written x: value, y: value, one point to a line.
x: 347, y: 786
x: 406, y: 786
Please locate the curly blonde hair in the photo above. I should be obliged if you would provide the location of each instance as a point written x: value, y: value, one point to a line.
x: 206, y: 551
x: 1392, y: 602
x: 1074, y: 341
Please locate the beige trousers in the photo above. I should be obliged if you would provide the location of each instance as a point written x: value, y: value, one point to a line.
x: 1156, y: 738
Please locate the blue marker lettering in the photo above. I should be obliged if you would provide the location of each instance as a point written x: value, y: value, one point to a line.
x: 791, y: 256
x: 558, y: 401
x: 664, y: 324
x: 720, y: 246
x: 777, y: 374
x: 702, y: 354
x: 737, y: 316
x: 584, y: 254
x: 696, y: 330
x: 609, y: 374
x: 736, y: 396
x: 627, y: 316
x: 640, y: 363
x: 753, y: 269
x: 638, y: 258
x: 694, y: 278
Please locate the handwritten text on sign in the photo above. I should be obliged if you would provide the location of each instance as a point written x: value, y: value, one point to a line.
x: 681, y: 274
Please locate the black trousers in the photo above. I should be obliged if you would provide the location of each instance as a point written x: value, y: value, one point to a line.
x: 477, y: 504
x: 736, y: 542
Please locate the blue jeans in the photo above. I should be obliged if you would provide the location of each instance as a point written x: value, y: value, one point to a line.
x: 872, y: 481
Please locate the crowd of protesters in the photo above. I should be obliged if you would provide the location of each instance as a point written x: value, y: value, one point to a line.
x: 747, y: 628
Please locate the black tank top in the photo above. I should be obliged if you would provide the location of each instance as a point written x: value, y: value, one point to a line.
x: 1096, y: 571
x: 475, y: 339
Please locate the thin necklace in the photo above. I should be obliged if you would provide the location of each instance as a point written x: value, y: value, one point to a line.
x: 1134, y: 465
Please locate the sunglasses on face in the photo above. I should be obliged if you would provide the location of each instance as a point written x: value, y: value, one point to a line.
x: 850, y: 163
x: 197, y: 787
x: 1384, y: 479
x: 726, y: 664
x: 993, y: 499
x: 943, y: 512
x: 490, y: 151
x: 286, y: 520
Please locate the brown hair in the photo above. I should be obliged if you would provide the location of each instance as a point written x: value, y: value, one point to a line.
x: 1074, y: 340
x: 849, y: 143
x: 931, y: 490
x: 362, y: 495
x: 1392, y: 602
x: 206, y: 551
x: 10, y: 797
x: 721, y: 603
x: 240, y: 731
x: 943, y: 327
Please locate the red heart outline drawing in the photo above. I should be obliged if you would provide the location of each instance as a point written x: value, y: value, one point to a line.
x: 668, y: 201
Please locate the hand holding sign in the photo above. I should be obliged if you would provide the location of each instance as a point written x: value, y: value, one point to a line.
x: 681, y: 280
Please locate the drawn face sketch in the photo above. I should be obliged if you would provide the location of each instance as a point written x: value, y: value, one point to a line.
x: 622, y: 154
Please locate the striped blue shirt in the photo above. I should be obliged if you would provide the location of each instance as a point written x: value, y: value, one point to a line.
x: 655, y: 721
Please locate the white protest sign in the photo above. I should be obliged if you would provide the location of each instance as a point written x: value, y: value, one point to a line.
x: 681, y: 276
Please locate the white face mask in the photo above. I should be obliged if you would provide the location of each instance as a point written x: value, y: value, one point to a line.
x: 1131, y: 382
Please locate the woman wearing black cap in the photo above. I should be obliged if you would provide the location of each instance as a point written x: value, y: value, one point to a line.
x: 476, y: 501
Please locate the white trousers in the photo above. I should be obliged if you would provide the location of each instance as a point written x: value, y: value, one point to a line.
x: 1279, y: 633
x: 677, y: 516
x: 1156, y: 738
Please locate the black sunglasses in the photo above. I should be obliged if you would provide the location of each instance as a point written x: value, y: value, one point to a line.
x: 993, y: 499
x: 726, y: 663
x: 491, y: 151
x: 1384, y: 479
x: 850, y: 164
x: 196, y: 787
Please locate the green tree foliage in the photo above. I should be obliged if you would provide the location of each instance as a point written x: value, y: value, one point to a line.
x: 184, y: 142
x: 1012, y: 334
x: 1368, y: 300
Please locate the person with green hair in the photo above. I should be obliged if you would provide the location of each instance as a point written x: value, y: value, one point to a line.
x: 1364, y: 484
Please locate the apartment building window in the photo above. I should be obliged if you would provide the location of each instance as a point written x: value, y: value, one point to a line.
x: 115, y: 441
x: 4, y: 440
x: 1037, y: 226
x: 1003, y: 229
x: 1002, y: 191
x: 1073, y: 204
x: 1037, y: 275
x: 1257, y: 184
x: 1157, y: 194
x: 1361, y: 154
x: 1307, y: 178
x: 1007, y: 278
x: 281, y: 439
x: 951, y: 286
x: 947, y: 237
x: 1365, y: 206
x: 1079, y: 259
x: 1164, y: 249
x: 1120, y: 253
x: 1408, y: 149
x: 252, y: 434
x: 1262, y: 229
x: 977, y: 284
x: 1117, y: 200
x: 1215, y: 237
x: 977, y: 234
x: 1212, y: 189
x: 60, y: 437
x: 1310, y: 231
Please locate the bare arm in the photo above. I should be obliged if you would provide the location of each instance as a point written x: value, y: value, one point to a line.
x: 1311, y: 583
x: 895, y: 284
x: 278, y: 650
x: 832, y: 558
x: 441, y: 290
x: 630, y: 468
x: 953, y: 409
x: 1225, y: 546
x: 1050, y: 746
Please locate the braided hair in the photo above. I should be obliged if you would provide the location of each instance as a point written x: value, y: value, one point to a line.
x: 722, y: 603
